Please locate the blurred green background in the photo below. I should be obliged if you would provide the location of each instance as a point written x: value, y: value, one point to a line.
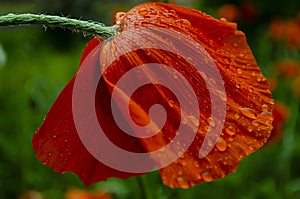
x: 36, y: 63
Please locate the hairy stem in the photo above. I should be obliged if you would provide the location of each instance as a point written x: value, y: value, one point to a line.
x: 86, y: 27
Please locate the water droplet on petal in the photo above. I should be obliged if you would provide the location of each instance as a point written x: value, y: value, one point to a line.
x: 265, y: 107
x: 206, y: 176
x: 184, y: 120
x: 237, y: 116
x: 255, y: 123
x: 221, y: 144
x: 144, y: 24
x: 49, y: 154
x: 186, y: 23
x: 223, y: 19
x: 171, y: 103
x: 266, y: 115
x: 230, y: 130
x: 194, y: 120
x: 196, y: 164
x: 239, y: 71
x: 250, y: 89
x: 248, y: 112
x: 238, y: 85
x: 183, y: 183
x: 250, y: 129
x: 143, y: 11
x: 211, y: 121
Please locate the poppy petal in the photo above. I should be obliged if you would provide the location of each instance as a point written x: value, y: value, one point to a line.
x: 57, y: 144
x: 248, y: 121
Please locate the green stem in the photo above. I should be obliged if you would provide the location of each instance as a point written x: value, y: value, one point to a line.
x: 86, y: 27
x: 142, y: 187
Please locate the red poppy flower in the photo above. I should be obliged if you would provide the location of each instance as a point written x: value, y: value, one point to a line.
x: 214, y: 103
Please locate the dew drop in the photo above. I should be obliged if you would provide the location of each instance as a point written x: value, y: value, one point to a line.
x: 196, y: 164
x: 66, y: 140
x: 237, y: 116
x: 235, y: 45
x: 250, y: 129
x: 250, y: 89
x: 182, y: 182
x: 258, y: 79
x: 211, y: 121
x: 221, y: 144
x: 175, y: 75
x: 143, y: 11
x: 248, y: 112
x: 230, y: 130
x: 255, y: 123
x: 184, y: 120
x: 49, y: 154
x: 267, y: 115
x: 223, y: 19
x: 54, y: 136
x: 239, y: 71
x: 186, y: 23
x: 265, y: 108
x: 144, y: 24
x: 206, y: 176
x: 238, y: 85
x: 251, y: 148
x: 171, y: 103
x: 194, y: 120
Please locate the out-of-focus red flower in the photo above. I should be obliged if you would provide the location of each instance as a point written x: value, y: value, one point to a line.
x: 288, y: 68
x: 248, y: 121
x: 86, y: 194
x: 287, y: 31
x: 280, y: 114
x: 248, y: 11
x: 229, y: 11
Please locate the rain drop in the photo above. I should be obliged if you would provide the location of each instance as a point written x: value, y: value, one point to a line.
x: 221, y: 144
x: 171, y: 103
x: 194, y: 120
x: 267, y: 115
x: 255, y: 123
x: 183, y: 183
x: 184, y: 120
x: 251, y: 148
x: 239, y: 71
x: 230, y: 130
x: 196, y: 164
x: 237, y: 116
x: 248, y: 112
x: 211, y: 121
x: 238, y: 85
x: 186, y: 23
x: 206, y: 176
x: 144, y: 24
x: 143, y: 11
x: 250, y: 129
x: 223, y: 19
x: 49, y: 154
x: 265, y: 108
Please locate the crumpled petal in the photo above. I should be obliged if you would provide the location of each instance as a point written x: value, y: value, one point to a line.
x: 57, y: 144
